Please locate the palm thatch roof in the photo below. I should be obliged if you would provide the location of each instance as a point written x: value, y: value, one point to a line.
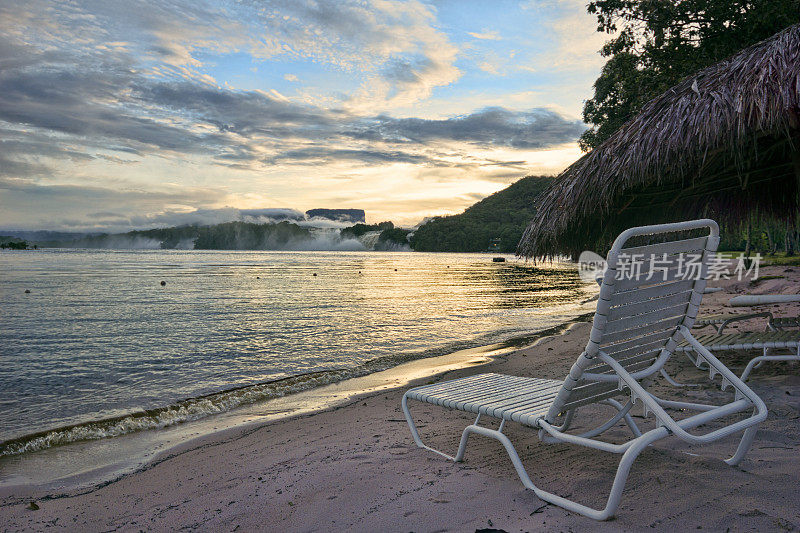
x: 724, y: 142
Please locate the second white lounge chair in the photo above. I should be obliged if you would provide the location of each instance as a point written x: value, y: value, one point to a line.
x: 722, y: 320
x: 746, y: 341
x: 637, y: 325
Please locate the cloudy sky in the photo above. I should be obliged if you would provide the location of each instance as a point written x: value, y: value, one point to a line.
x: 127, y: 114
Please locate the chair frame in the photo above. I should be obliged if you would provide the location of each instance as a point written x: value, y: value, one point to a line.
x: 770, y: 340
x: 720, y: 322
x: 632, y: 382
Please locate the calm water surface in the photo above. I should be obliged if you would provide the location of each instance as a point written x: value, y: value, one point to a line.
x: 98, y: 338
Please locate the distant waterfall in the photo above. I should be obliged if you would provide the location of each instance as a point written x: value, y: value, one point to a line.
x: 370, y: 239
x: 328, y: 239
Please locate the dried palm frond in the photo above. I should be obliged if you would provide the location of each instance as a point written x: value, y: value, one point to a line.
x: 724, y: 142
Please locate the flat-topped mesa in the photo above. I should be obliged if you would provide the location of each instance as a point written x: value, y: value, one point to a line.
x: 340, y: 215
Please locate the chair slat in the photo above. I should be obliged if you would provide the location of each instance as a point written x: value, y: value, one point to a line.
x: 786, y: 322
x: 614, y: 349
x: 495, y: 388
x: 507, y: 397
x: 669, y: 247
x: 637, y: 281
x: 590, y: 399
x: 649, y: 305
x: 626, y: 363
x: 657, y: 291
x: 662, y: 325
x: 615, y: 326
x: 745, y: 341
x: 650, y: 347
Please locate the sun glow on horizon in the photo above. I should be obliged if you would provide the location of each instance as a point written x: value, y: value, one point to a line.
x: 113, y: 114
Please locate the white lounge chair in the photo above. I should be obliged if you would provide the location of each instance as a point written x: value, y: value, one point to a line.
x: 722, y: 320
x: 774, y: 338
x: 745, y: 341
x: 783, y: 322
x: 636, y: 327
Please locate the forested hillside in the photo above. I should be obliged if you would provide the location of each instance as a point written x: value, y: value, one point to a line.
x: 502, y: 215
x: 249, y: 236
x: 283, y: 235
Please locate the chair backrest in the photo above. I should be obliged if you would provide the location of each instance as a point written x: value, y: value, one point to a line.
x: 647, y: 292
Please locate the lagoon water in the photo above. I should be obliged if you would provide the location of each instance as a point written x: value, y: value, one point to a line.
x: 100, y: 348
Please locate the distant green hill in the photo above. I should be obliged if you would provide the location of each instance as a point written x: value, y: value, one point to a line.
x: 12, y: 243
x: 500, y: 218
x: 283, y: 235
x: 502, y: 215
x: 249, y: 236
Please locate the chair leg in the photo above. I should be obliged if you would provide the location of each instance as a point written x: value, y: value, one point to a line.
x: 623, y: 413
x: 567, y: 420
x: 636, y: 447
x: 701, y: 366
x: 757, y: 361
x: 415, y: 433
x: 744, y: 446
x: 674, y: 383
x: 750, y: 366
x: 628, y: 418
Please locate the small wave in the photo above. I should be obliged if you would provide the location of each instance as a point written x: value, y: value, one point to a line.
x: 203, y: 406
x: 161, y: 417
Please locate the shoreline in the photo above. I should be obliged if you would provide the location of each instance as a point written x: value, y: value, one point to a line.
x: 253, y: 345
x: 98, y: 461
x: 355, y: 467
x: 156, y: 418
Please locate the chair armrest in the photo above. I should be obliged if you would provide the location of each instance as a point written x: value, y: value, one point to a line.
x: 728, y: 376
x: 747, y: 316
x: 678, y: 428
x: 748, y: 300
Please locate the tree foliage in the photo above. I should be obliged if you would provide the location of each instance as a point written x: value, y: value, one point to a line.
x: 233, y: 236
x: 657, y: 43
x: 502, y: 215
x: 12, y: 243
x: 393, y: 239
x: 357, y: 230
x: 762, y: 234
x: 249, y: 236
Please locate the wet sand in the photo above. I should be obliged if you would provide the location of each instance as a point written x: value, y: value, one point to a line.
x: 355, y: 467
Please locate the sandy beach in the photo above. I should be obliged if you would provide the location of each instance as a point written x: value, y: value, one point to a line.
x: 356, y: 468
